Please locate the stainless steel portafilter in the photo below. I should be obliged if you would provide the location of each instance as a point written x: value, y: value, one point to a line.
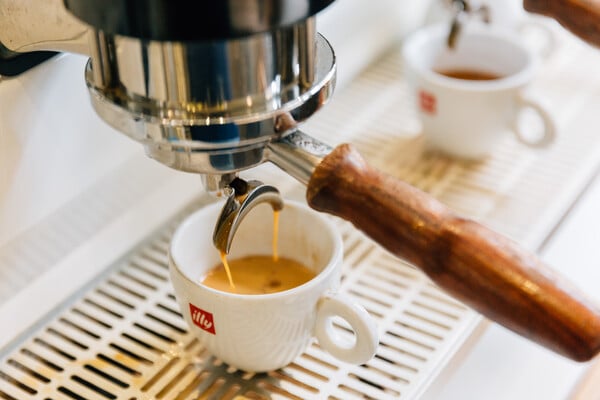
x: 211, y: 92
x: 203, y: 91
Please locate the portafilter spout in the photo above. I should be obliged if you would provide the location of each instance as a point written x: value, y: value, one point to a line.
x: 296, y: 153
x: 242, y: 196
x: 461, y: 11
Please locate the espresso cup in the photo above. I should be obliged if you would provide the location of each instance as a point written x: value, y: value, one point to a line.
x: 465, y: 117
x: 264, y: 332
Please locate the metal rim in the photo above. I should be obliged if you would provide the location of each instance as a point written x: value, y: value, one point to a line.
x: 110, y: 106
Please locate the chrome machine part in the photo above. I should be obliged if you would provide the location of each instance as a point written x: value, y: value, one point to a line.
x: 217, y: 185
x: 210, y: 107
x: 172, y: 20
x: 201, y: 91
x: 298, y: 154
x: 242, y: 197
x: 461, y: 11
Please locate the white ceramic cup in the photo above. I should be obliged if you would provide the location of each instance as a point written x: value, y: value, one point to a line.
x: 265, y: 332
x: 467, y: 118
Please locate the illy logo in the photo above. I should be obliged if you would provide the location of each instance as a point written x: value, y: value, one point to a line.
x: 202, y: 319
x: 427, y: 102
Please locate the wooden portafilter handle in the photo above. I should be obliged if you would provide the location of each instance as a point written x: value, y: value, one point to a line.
x: 581, y: 17
x: 483, y: 269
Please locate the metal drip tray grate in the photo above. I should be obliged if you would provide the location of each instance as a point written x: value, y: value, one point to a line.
x: 125, y: 339
x: 122, y: 337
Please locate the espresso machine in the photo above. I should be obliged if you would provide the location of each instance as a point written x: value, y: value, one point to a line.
x: 224, y: 90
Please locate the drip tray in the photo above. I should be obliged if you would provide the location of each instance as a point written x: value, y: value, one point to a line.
x: 124, y: 338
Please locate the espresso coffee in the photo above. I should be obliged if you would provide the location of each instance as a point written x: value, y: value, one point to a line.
x: 469, y: 74
x: 258, y: 274
x: 223, y: 255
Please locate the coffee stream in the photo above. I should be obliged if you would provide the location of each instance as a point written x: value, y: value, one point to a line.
x: 275, y: 234
x: 223, y: 256
x: 258, y: 274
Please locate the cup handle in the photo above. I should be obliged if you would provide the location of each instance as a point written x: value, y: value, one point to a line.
x: 363, y: 325
x: 549, y: 130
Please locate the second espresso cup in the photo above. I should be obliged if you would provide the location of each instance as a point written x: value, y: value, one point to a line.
x: 263, y: 332
x: 467, y: 116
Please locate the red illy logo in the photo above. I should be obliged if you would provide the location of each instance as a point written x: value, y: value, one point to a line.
x: 427, y: 102
x: 202, y: 319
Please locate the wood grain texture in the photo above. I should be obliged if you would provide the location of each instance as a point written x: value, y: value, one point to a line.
x: 581, y: 17
x: 485, y: 270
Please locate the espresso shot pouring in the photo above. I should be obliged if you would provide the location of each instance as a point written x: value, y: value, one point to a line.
x: 222, y: 91
x: 242, y: 197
